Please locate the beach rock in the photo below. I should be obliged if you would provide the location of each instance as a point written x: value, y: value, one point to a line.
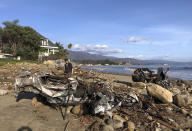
x: 107, y: 128
x: 35, y: 102
x: 117, y: 124
x: 109, y: 121
x: 179, y: 100
x: 131, y: 126
x: 175, y: 91
x: 157, y: 129
x: 182, y: 87
x: 141, y: 91
x: 79, y: 109
x: 118, y: 118
x: 182, y: 100
x: 118, y: 121
x: 138, y: 84
x: 126, y: 118
x: 160, y: 93
x: 150, y: 118
x: 189, y: 89
x: 3, y: 92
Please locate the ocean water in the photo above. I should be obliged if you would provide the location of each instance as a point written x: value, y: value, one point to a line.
x: 176, y: 71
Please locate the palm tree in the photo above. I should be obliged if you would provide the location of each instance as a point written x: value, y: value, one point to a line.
x: 69, y: 46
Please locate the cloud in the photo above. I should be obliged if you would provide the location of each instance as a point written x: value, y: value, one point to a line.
x: 134, y: 39
x: 96, y: 49
x: 116, y: 51
x: 137, y: 57
x: 167, y: 55
x: 101, y: 46
x: 142, y: 57
x: 76, y: 47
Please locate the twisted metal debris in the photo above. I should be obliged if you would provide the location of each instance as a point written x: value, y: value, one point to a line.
x: 147, y: 76
x: 62, y: 90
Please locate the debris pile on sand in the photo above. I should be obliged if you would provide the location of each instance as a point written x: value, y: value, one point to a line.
x: 103, y: 103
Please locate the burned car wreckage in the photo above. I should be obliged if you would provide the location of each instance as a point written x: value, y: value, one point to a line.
x: 98, y: 96
x: 148, y: 76
x: 64, y: 91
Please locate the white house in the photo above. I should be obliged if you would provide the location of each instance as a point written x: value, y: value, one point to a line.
x: 49, y: 46
x: 5, y: 55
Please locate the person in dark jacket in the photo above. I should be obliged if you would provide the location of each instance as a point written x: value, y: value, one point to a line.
x: 68, y: 67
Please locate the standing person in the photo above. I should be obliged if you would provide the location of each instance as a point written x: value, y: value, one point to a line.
x: 68, y: 67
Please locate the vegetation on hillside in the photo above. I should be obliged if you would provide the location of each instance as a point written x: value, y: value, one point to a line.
x: 24, y: 41
x: 19, y: 40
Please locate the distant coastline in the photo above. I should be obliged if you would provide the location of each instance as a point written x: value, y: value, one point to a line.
x: 176, y: 72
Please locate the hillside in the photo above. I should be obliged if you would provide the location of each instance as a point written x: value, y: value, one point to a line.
x: 80, y: 56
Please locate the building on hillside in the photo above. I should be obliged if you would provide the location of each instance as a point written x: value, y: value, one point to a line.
x: 50, y: 47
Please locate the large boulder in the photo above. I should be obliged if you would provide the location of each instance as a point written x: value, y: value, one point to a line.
x: 160, y: 93
x: 183, y: 100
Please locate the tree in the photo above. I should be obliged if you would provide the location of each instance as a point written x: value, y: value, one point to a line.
x: 69, y: 46
x: 20, y: 40
x: 24, y: 41
x: 62, y: 54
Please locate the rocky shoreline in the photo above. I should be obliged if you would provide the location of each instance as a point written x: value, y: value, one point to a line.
x: 158, y: 108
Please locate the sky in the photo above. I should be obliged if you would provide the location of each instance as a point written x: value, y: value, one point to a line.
x: 142, y: 29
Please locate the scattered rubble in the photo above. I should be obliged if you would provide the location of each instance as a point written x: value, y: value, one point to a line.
x: 101, y: 104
